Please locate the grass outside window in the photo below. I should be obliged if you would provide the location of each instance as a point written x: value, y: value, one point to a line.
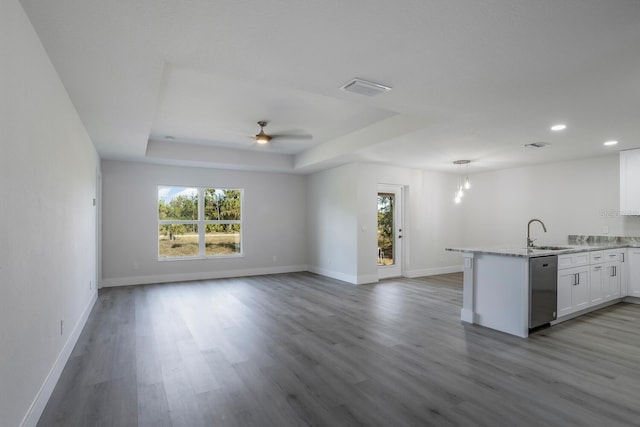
x: 199, y: 222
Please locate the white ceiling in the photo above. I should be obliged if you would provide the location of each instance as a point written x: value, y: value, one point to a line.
x: 472, y: 79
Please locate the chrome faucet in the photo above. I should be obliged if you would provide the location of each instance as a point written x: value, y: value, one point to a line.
x: 529, y: 241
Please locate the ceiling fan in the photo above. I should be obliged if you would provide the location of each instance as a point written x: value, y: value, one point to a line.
x: 263, y: 138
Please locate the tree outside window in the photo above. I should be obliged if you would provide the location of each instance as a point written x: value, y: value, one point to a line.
x: 199, y: 222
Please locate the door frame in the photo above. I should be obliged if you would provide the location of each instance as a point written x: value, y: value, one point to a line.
x: 395, y: 270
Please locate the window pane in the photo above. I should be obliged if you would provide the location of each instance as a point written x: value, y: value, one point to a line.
x: 179, y: 203
x: 222, y: 239
x: 221, y: 204
x: 177, y: 240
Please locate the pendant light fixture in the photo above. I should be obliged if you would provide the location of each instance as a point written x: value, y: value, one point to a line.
x: 463, y: 183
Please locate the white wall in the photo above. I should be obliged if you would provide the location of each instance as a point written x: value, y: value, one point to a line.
x: 432, y: 220
x: 274, y: 223
x: 333, y: 223
x: 47, y: 222
x: 576, y: 197
x: 343, y: 221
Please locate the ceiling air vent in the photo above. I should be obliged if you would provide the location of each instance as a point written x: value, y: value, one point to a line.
x: 536, y: 145
x: 363, y: 87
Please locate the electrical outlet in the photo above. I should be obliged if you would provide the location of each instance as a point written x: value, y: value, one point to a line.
x: 605, y: 229
x: 275, y: 258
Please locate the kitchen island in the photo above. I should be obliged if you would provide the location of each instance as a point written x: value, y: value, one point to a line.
x: 496, y: 291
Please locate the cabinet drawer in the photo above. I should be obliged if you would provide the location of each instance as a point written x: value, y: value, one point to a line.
x: 612, y: 255
x: 573, y: 260
x: 597, y: 257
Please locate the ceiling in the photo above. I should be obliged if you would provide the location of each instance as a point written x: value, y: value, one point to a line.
x: 184, y: 82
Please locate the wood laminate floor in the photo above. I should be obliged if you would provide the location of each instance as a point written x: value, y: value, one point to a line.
x: 300, y: 349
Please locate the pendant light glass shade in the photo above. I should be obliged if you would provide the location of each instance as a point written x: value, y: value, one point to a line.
x: 463, y: 183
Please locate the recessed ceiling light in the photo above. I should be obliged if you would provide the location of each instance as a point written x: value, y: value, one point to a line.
x: 612, y: 142
x: 558, y: 127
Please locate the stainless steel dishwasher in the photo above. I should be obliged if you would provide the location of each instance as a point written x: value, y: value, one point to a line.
x: 543, y: 290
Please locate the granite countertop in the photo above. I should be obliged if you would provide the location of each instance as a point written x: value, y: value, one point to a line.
x: 521, y: 251
x: 575, y: 243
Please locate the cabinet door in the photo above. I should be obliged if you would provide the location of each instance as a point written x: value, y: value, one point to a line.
x: 566, y: 282
x: 634, y: 272
x: 624, y: 273
x: 629, y: 178
x: 612, y: 280
x: 595, y: 284
x: 580, y: 292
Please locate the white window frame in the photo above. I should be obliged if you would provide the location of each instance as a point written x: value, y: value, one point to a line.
x: 201, y: 224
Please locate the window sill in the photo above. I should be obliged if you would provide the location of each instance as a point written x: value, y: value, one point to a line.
x: 200, y: 258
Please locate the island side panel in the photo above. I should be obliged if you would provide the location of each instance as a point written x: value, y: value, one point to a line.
x: 467, y: 312
x: 501, y: 293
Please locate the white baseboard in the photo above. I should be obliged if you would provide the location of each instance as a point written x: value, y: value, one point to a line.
x: 334, y: 274
x: 207, y: 275
x: 433, y: 271
x: 586, y: 310
x: 364, y: 280
x: 40, y: 402
x: 467, y: 315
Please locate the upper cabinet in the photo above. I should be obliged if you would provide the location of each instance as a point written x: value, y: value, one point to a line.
x: 629, y: 179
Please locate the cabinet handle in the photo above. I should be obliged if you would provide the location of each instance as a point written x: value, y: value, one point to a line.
x: 597, y: 267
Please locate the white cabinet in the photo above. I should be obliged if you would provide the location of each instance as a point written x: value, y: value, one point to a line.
x: 588, y: 279
x: 611, y: 283
x: 596, y: 280
x: 573, y: 283
x: 629, y: 178
x: 573, y: 260
x: 633, y: 265
x: 624, y: 273
x: 596, y: 257
x: 612, y: 270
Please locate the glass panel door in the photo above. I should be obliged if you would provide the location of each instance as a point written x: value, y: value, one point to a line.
x: 386, y: 202
x: 389, y: 231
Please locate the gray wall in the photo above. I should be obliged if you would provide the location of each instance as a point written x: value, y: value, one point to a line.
x: 343, y: 221
x: 274, y: 224
x: 576, y: 197
x: 48, y: 169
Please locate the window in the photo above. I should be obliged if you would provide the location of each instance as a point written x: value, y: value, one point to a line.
x: 199, y: 222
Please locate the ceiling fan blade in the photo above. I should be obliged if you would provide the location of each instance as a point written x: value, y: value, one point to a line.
x: 292, y: 137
